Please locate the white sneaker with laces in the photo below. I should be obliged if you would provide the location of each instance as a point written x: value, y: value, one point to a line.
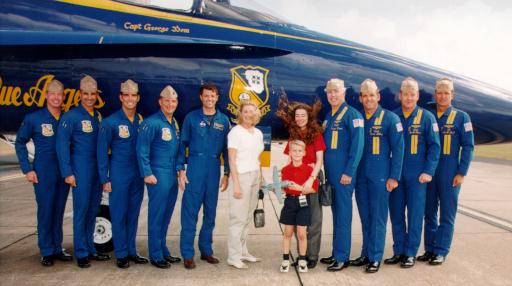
x: 285, y: 266
x: 303, y: 266
x: 237, y: 264
x: 250, y: 258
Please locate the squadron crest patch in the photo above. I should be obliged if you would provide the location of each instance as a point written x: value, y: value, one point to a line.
x: 166, y: 134
x: 87, y: 126
x: 47, y: 130
x: 124, y: 132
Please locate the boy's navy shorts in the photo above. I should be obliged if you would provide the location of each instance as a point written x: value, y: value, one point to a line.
x: 293, y: 214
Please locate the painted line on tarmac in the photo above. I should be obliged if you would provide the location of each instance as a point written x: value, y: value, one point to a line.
x: 272, y: 202
x: 484, y: 217
x: 11, y: 177
x: 13, y: 243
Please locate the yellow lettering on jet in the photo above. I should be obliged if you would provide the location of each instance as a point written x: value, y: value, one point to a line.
x: 149, y: 27
x: 12, y: 95
x: 133, y: 27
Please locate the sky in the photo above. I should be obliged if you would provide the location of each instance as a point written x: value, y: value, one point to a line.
x: 472, y: 38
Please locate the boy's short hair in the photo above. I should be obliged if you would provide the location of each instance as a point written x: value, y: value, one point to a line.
x: 298, y: 143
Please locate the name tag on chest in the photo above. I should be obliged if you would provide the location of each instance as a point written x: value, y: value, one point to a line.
x: 376, y: 131
x: 414, y: 129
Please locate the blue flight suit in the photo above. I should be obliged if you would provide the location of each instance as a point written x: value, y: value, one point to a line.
x: 344, y: 137
x: 457, y: 144
x: 77, y: 138
x: 206, y: 139
x: 157, y: 149
x: 51, y: 191
x: 382, y: 160
x: 119, y: 135
x: 421, y: 137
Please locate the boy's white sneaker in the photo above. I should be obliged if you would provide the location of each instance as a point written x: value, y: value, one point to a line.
x: 303, y: 266
x: 285, y: 266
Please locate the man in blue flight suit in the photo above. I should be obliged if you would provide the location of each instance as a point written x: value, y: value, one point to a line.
x: 377, y: 175
x: 119, y: 175
x: 157, y: 149
x: 420, y: 160
x: 344, y: 137
x: 50, y: 190
x: 77, y: 138
x: 204, y: 132
x: 457, y: 144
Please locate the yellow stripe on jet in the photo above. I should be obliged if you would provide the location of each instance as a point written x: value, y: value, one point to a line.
x: 133, y: 9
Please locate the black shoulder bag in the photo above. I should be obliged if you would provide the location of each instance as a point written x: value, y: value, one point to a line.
x: 324, y: 190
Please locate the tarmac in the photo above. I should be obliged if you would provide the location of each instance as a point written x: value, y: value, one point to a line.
x: 481, y: 251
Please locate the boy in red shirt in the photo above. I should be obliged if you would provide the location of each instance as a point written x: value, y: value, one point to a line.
x: 296, y: 211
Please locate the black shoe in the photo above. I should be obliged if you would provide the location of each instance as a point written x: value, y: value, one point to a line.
x: 395, y: 259
x: 123, y: 263
x: 161, y: 264
x: 312, y: 263
x: 408, y: 262
x: 373, y: 267
x: 360, y: 261
x: 328, y: 260
x: 337, y: 266
x: 83, y: 262
x: 47, y: 260
x: 436, y: 260
x: 172, y: 259
x: 63, y: 256
x: 99, y: 257
x: 425, y: 257
x: 137, y: 259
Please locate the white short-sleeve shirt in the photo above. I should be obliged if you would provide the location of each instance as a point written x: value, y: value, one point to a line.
x: 248, y: 148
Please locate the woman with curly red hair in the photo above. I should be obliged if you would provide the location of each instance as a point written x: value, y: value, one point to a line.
x: 302, y: 124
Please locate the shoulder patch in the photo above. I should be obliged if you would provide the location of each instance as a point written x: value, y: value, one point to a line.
x: 468, y: 127
x: 399, y: 127
x: 435, y: 127
x: 358, y: 123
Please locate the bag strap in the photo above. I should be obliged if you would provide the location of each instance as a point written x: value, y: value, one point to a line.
x: 260, y: 199
x: 321, y: 178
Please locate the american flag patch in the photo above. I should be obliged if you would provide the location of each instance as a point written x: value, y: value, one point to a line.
x: 399, y: 127
x: 358, y: 123
x: 468, y: 126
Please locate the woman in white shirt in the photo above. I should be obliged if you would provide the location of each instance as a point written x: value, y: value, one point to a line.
x: 245, y: 144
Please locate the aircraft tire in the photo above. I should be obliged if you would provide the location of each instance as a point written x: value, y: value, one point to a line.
x: 103, y: 231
